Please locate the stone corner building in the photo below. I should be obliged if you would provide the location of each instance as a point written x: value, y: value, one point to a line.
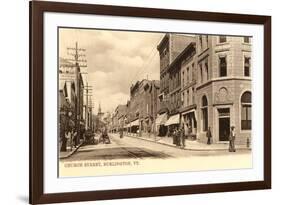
x: 205, y: 81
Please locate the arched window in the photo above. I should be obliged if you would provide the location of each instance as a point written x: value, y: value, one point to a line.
x: 204, y: 109
x: 246, y: 111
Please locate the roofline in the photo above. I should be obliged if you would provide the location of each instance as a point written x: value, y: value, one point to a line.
x: 178, y: 58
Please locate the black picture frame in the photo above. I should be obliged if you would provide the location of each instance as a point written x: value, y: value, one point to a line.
x: 37, y: 9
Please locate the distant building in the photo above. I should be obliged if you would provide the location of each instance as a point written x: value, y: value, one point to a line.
x: 142, y: 107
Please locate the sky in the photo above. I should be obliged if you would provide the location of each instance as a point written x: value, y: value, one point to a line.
x: 115, y: 61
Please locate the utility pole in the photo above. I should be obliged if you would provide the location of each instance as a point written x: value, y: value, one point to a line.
x: 87, y: 88
x: 77, y: 56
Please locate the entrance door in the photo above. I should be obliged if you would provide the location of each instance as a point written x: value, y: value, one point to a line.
x: 224, y: 124
x: 224, y: 128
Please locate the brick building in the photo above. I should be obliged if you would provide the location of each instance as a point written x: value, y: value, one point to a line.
x: 170, y: 47
x: 142, y: 107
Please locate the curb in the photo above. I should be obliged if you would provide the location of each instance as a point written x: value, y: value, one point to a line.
x: 72, y: 152
x: 190, y: 149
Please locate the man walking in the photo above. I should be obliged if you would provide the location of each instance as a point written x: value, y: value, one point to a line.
x: 182, y: 136
x: 209, y: 135
x: 232, y: 140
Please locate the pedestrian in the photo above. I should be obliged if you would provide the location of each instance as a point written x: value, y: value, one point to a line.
x: 121, y: 134
x: 182, y: 136
x: 178, y: 137
x: 209, y: 135
x: 173, y: 134
x: 232, y: 139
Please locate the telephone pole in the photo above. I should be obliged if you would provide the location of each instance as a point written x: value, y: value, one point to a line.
x: 88, y: 89
x: 77, y: 57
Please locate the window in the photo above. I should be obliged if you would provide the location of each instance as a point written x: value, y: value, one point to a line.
x: 223, y: 66
x: 201, y: 41
x: 187, y: 98
x: 246, y: 39
x: 193, y: 72
x: 193, y: 96
x: 222, y: 39
x: 246, y: 111
x: 183, y: 84
x: 201, y: 74
x: 246, y: 66
x: 182, y: 100
x: 204, y: 113
x: 187, y: 75
x: 207, y: 70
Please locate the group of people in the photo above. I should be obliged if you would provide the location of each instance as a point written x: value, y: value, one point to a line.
x: 232, y: 136
x: 179, y: 137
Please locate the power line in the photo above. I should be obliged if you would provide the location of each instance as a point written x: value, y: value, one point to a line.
x: 144, y: 65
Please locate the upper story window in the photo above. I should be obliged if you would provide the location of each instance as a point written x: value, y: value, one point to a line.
x: 200, y: 41
x: 246, y: 39
x: 193, y: 72
x: 183, y: 76
x: 201, y: 73
x: 247, y: 66
x: 187, y: 74
x: 223, y: 66
x: 222, y: 39
x: 207, y: 70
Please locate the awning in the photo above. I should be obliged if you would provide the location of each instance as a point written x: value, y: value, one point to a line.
x: 190, y: 111
x: 135, y: 123
x: 161, y: 119
x: 174, y: 119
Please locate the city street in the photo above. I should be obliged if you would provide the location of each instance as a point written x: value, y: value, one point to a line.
x: 128, y: 147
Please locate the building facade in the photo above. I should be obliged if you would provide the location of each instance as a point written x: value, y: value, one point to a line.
x: 223, y: 90
x: 171, y: 46
x: 206, y: 83
x: 143, y: 106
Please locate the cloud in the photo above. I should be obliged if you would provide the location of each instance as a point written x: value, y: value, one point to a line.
x: 115, y: 60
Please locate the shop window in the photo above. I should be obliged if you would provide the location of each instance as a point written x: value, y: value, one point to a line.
x: 246, y: 111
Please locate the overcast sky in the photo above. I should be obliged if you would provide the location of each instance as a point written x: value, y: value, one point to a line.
x: 115, y: 60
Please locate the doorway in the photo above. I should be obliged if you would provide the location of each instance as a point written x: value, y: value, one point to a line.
x: 224, y: 124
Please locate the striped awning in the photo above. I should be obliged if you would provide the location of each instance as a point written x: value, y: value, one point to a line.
x: 135, y: 123
x: 174, y: 119
x: 161, y: 119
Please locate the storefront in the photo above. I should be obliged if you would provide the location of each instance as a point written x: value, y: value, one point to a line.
x: 173, y: 123
x: 134, y: 126
x: 160, y: 124
x: 189, y: 119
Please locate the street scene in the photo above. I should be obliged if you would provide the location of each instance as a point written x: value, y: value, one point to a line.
x: 154, y: 98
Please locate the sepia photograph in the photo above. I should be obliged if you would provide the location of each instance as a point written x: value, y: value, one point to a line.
x: 136, y: 102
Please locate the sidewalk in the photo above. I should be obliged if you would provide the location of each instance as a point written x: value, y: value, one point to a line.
x: 189, y: 144
x: 69, y: 152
